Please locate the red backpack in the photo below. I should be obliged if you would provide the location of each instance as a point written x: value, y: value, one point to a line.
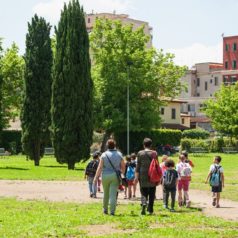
x: 155, y: 172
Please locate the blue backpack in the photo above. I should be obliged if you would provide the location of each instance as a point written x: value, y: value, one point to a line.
x: 215, y: 179
x: 130, y: 173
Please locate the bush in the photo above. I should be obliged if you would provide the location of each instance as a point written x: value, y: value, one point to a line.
x: 195, y: 134
x: 186, y: 144
x: 11, y: 141
x: 158, y: 136
x: 212, y: 145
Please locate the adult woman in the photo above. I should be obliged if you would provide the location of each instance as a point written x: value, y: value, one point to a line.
x: 110, y: 162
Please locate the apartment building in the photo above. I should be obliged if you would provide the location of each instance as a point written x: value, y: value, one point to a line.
x: 124, y: 18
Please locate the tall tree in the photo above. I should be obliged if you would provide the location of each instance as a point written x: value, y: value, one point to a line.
x: 72, y: 88
x: 35, y: 116
x: 1, y: 114
x: 120, y: 57
x: 223, y: 110
x: 12, y: 70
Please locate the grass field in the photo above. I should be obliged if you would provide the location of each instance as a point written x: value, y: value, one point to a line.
x: 17, y: 167
x: 20, y: 219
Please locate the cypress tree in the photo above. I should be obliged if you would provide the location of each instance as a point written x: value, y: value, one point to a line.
x: 1, y: 81
x: 35, y: 115
x: 72, y: 86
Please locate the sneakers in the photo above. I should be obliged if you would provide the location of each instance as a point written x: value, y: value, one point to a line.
x: 217, y: 206
x: 143, y: 211
x: 172, y: 210
x: 188, y: 204
x: 165, y: 206
x: 105, y: 211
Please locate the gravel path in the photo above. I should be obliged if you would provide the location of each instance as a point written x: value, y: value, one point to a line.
x: 67, y: 191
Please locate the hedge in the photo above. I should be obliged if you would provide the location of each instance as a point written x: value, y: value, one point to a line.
x: 195, y: 134
x: 212, y: 145
x: 158, y: 136
x: 11, y: 141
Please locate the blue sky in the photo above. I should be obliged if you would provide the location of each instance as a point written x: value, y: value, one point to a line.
x: 191, y: 29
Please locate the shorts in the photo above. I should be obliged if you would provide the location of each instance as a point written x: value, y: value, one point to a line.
x: 183, y: 185
x: 130, y: 182
x: 217, y: 189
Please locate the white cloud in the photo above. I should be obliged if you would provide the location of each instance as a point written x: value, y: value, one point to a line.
x: 52, y: 8
x: 197, y: 53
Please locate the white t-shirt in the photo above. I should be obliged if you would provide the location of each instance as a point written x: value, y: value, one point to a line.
x: 213, y: 168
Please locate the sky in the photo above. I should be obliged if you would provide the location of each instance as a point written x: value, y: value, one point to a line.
x: 191, y: 29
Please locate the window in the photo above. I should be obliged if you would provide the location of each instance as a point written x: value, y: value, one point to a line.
x: 198, y: 82
x: 227, y: 47
x: 216, y: 81
x: 198, y: 94
x: 205, y: 86
x: 225, y: 80
x: 226, y: 65
x: 162, y: 111
x: 233, y: 79
x: 210, y: 80
x: 173, y: 113
x: 191, y: 107
x: 89, y: 20
x: 234, y: 46
x: 183, y: 121
x: 234, y: 64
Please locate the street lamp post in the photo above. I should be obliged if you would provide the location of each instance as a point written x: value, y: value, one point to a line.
x: 129, y: 63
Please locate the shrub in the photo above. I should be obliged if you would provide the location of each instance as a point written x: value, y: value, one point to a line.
x: 11, y: 141
x: 158, y: 136
x: 186, y: 144
x: 195, y: 134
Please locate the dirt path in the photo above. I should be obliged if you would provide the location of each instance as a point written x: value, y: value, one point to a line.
x: 78, y: 192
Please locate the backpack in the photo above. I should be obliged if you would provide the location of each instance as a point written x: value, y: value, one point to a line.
x: 91, y: 168
x: 215, y: 177
x: 170, y: 179
x: 130, y: 173
x: 154, y: 171
x: 186, y: 171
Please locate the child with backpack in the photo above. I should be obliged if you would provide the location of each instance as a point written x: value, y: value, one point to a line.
x: 216, y: 177
x: 184, y: 177
x: 170, y: 180
x: 129, y: 175
x: 90, y: 173
x: 134, y: 163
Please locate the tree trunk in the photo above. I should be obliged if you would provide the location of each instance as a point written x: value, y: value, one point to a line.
x: 37, y: 153
x: 106, y: 136
x: 37, y: 162
x: 71, y: 165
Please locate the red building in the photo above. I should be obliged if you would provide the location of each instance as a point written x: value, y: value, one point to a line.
x: 230, y: 58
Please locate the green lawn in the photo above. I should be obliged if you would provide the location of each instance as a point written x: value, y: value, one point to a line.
x: 17, y: 167
x: 20, y: 219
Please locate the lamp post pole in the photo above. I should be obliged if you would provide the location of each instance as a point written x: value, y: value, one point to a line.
x: 128, y: 112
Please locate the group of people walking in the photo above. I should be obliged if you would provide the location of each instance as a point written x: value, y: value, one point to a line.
x: 144, y: 169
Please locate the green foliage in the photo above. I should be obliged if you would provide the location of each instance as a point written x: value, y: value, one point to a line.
x: 12, y: 71
x: 195, y: 134
x: 11, y: 141
x: 1, y: 82
x: 223, y: 110
x: 35, y: 115
x: 212, y: 145
x: 158, y: 136
x: 72, y: 88
x: 120, y: 57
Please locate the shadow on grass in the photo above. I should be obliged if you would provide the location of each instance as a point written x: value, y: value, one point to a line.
x: 60, y: 166
x: 12, y: 168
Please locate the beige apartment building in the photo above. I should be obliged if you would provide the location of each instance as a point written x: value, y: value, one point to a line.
x: 124, y: 18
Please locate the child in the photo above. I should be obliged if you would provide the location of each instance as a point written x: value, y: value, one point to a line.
x: 134, y: 163
x: 216, y: 176
x: 187, y: 160
x: 170, y: 180
x: 163, y: 166
x: 129, y: 175
x: 90, y: 172
x: 184, y: 177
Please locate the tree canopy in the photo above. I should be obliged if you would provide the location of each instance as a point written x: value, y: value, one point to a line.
x: 35, y: 115
x: 12, y: 71
x: 223, y: 110
x: 120, y: 57
x: 72, y: 88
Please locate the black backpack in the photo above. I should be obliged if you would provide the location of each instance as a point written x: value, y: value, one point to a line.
x: 91, y: 168
x: 170, y: 179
